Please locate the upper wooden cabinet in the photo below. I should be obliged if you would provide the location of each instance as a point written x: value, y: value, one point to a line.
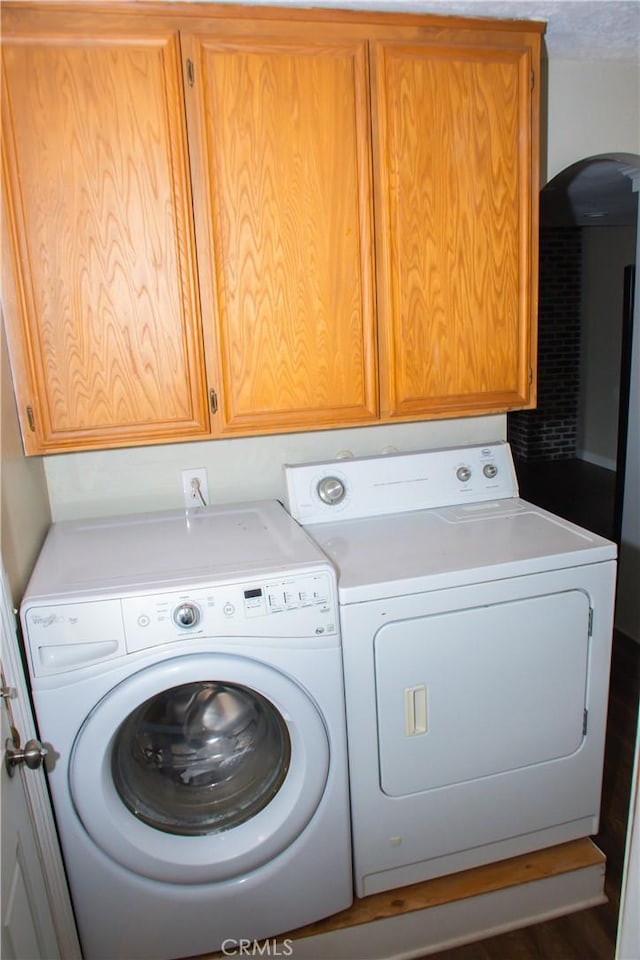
x: 99, y: 288
x: 283, y: 204
x: 223, y: 221
x: 455, y: 195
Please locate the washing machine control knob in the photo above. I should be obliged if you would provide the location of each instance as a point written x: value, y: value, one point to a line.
x: 331, y: 490
x: 463, y: 474
x: 490, y: 470
x: 186, y: 615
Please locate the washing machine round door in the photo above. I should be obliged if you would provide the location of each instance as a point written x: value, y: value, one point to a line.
x: 199, y: 768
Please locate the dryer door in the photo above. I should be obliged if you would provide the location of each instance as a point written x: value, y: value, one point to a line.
x: 474, y: 693
x: 199, y: 768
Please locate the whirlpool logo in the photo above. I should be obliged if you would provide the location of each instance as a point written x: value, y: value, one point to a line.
x: 257, y: 948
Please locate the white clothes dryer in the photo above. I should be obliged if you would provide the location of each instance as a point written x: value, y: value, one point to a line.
x: 476, y: 633
x: 187, y: 676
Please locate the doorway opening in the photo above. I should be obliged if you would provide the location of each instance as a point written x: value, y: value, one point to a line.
x: 570, y: 452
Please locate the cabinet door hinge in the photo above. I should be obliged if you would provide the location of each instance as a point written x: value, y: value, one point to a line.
x: 190, y: 73
x: 31, y: 419
x: 213, y: 401
x: 533, y: 79
x: 530, y: 374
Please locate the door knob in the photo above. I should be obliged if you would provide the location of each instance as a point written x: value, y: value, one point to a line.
x: 33, y: 753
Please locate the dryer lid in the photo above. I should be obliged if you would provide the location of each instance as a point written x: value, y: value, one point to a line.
x: 395, y: 555
x: 427, y: 520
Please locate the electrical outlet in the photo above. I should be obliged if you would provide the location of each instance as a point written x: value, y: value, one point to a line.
x: 195, y: 487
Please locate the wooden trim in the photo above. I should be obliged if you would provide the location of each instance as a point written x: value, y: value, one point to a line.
x: 553, y: 861
x: 574, y: 858
x: 214, y: 11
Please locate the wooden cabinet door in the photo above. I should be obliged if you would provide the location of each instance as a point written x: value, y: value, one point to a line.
x: 457, y: 229
x: 279, y: 126
x: 100, y: 286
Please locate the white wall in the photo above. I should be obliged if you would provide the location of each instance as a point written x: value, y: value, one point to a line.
x: 592, y: 108
x: 148, y: 478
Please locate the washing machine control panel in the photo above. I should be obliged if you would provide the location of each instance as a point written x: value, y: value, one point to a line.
x: 288, y: 610
x: 286, y: 607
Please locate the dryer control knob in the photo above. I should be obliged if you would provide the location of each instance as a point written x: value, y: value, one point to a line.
x: 331, y: 490
x: 186, y: 615
x: 463, y: 474
x: 490, y: 470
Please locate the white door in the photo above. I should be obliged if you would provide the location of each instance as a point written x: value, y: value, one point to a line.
x: 37, y: 920
x: 628, y: 944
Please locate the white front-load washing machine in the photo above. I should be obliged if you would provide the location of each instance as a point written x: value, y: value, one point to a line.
x: 476, y: 633
x: 187, y: 679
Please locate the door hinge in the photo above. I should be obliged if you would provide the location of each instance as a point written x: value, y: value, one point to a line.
x: 530, y: 374
x: 213, y: 401
x: 533, y: 79
x: 585, y: 720
x: 590, y: 628
x: 190, y: 73
x: 31, y: 419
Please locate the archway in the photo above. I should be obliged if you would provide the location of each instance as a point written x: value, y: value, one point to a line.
x: 571, y: 451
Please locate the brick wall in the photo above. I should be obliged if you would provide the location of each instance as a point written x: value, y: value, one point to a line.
x: 549, y: 431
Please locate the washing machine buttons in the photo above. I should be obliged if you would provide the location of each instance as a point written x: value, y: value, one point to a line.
x: 463, y: 474
x: 186, y: 615
x: 490, y: 470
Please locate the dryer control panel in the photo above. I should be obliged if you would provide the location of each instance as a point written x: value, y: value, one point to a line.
x: 356, y: 487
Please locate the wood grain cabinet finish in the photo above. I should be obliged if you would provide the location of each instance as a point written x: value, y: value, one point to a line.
x: 284, y: 209
x: 457, y: 244
x: 102, y: 302
x: 317, y: 218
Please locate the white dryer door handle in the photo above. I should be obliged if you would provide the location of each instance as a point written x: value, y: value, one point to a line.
x: 415, y: 710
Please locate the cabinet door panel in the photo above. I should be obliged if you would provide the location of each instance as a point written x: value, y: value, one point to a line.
x: 286, y: 210
x: 102, y: 240
x: 454, y: 176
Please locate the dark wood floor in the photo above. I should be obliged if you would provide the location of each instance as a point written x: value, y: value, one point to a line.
x: 584, y: 494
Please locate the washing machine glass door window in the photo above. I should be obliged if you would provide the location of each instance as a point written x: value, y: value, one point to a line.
x: 200, y: 758
x: 203, y: 773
